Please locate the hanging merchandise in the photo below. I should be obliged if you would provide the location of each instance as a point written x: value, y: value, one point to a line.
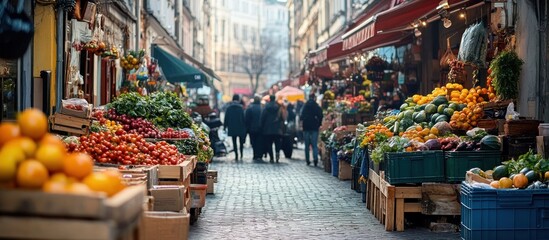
x: 473, y: 45
x: 448, y: 55
x: 505, y: 73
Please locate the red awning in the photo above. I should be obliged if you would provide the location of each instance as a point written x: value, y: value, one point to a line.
x: 323, y: 72
x: 399, y: 18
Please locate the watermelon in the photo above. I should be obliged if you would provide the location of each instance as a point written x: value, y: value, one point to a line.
x: 420, y: 117
x: 439, y: 100
x: 431, y: 108
x: 499, y: 172
x: 442, y: 118
x: 453, y: 106
x: 490, y: 142
x: 448, y: 112
x: 434, y: 117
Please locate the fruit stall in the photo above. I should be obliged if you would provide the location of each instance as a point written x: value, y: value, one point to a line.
x: 454, y: 156
x: 117, y: 170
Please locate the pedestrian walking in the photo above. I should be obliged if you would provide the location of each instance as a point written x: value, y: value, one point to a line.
x: 311, y: 117
x: 235, y: 125
x: 271, y: 127
x: 253, y: 122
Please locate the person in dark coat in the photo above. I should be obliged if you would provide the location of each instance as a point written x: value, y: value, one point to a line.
x: 311, y: 117
x: 234, y: 122
x: 253, y: 122
x: 271, y: 127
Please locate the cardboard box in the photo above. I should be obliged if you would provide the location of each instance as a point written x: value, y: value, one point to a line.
x: 168, y: 197
x: 211, y: 183
x: 198, y: 195
x: 164, y: 225
x: 85, y: 113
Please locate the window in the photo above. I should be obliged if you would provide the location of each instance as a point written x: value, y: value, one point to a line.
x: 245, y: 7
x: 244, y: 33
x: 222, y: 29
x: 235, y: 31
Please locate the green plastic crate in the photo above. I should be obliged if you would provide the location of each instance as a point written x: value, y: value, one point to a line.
x: 457, y: 163
x: 414, y: 167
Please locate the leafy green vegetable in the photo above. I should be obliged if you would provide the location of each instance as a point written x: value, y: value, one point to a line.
x: 505, y: 74
x: 527, y: 160
x: 131, y: 104
x: 164, y: 109
x: 393, y: 144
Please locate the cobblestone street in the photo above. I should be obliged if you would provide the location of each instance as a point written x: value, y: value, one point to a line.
x: 288, y: 200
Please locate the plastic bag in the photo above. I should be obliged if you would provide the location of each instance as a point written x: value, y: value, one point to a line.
x: 511, y: 114
x: 77, y: 104
x: 473, y: 45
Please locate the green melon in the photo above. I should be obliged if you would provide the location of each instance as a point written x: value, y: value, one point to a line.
x: 440, y: 109
x: 499, y: 172
x: 431, y: 108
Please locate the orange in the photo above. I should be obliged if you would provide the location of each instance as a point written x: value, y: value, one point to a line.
x: 495, y: 184
x: 59, y: 177
x: 79, y: 188
x: 520, y: 181
x: 31, y: 174
x: 33, y: 123
x: 116, y: 179
x: 8, y: 169
x: 78, y: 165
x: 24, y: 143
x: 51, y: 156
x: 8, y: 131
x: 505, y: 182
x: 54, y: 187
x: 52, y: 139
x: 100, y: 182
x: 12, y: 152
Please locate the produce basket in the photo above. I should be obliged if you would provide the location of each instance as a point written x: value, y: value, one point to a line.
x: 413, y: 167
x: 458, y: 162
x: 504, y: 214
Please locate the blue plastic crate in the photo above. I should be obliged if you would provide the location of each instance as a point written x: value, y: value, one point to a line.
x: 504, y: 214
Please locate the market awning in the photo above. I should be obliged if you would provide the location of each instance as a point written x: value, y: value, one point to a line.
x: 323, y: 72
x: 176, y: 70
x: 394, y: 20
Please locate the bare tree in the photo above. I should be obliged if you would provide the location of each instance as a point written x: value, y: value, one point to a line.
x: 258, y: 60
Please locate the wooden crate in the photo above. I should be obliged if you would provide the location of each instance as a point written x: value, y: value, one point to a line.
x: 177, y: 172
x: 389, y: 203
x: 516, y: 128
x: 70, y: 124
x: 69, y: 216
x: 394, y: 201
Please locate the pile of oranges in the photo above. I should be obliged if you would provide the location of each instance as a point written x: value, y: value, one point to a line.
x: 372, y: 131
x: 467, y: 118
x: 421, y: 134
x: 458, y: 94
x: 32, y: 158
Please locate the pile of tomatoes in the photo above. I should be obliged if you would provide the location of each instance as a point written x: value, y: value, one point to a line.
x: 126, y: 149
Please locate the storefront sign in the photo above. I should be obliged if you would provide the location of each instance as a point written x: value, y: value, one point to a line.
x: 359, y: 37
x: 319, y: 57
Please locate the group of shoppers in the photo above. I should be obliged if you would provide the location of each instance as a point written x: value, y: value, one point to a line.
x: 266, y: 126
